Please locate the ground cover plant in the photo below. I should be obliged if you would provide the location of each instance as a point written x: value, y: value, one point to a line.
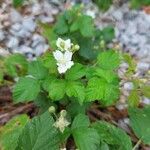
x: 64, y: 83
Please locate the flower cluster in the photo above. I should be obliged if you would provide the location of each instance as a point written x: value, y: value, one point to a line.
x: 61, y: 122
x: 63, y: 56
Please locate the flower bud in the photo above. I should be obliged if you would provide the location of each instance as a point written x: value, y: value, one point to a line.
x: 52, y: 109
x: 63, y: 113
x: 76, y: 47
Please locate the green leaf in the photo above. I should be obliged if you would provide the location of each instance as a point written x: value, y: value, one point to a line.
x: 108, y: 75
x: 109, y: 60
x: 74, y: 108
x: 99, y: 89
x: 25, y: 90
x: 113, y: 136
x: 108, y: 34
x: 85, y: 138
x: 37, y: 70
x: 61, y: 26
x: 39, y: 134
x: 49, y: 62
x: 76, y: 72
x: 9, y: 134
x: 1, y: 76
x: 140, y: 123
x: 43, y: 102
x: 134, y: 98
x: 16, y: 64
x: 86, y: 26
x: 49, y: 34
x: 146, y: 90
x: 76, y: 89
x: 87, y: 50
x: 138, y: 3
x: 79, y: 121
x: 18, y: 3
x: 57, y: 89
x: 103, y: 4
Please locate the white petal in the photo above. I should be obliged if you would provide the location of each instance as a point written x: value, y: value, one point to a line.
x: 69, y: 64
x: 58, y: 42
x: 58, y: 55
x: 67, y: 44
x: 68, y: 55
x: 62, y: 69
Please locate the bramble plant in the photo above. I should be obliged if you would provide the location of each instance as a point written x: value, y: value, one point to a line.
x: 64, y: 82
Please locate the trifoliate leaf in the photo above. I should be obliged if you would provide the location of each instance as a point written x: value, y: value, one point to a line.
x: 85, y: 138
x: 109, y: 60
x: 77, y: 71
x: 113, y: 136
x: 99, y: 89
x: 16, y: 65
x: 57, y: 89
x: 39, y: 134
x: 75, y: 89
x: 37, y: 70
x: 9, y: 134
x: 140, y: 123
x: 25, y: 90
x: 134, y: 98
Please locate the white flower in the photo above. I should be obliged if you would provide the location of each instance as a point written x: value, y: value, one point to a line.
x: 61, y: 123
x: 91, y: 13
x: 63, y: 60
x: 64, y: 45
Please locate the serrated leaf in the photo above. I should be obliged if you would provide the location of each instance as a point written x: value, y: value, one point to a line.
x: 140, y: 123
x: 86, y: 26
x: 16, y: 64
x: 37, y: 70
x: 75, y: 89
x: 79, y: 121
x: 103, y: 4
x: 49, y: 34
x: 39, y: 134
x: 146, y: 91
x: 74, y: 108
x: 87, y: 50
x: 9, y: 134
x: 43, y: 102
x: 134, y: 98
x: 113, y: 136
x: 25, y: 90
x: 85, y: 138
x: 99, y: 89
x: 108, y: 34
x: 108, y: 75
x: 49, y: 62
x: 61, y: 27
x: 109, y: 60
x: 76, y: 72
x: 57, y: 89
